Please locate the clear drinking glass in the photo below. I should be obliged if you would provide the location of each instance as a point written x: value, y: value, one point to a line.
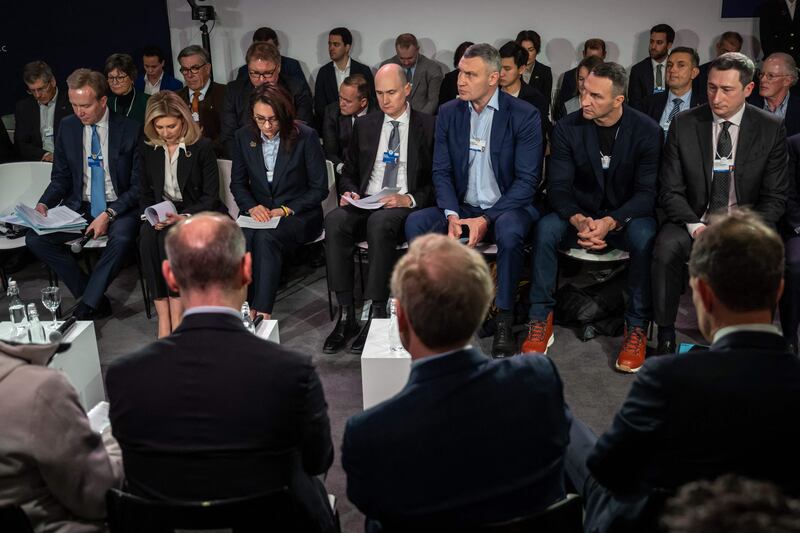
x: 395, y: 344
x: 51, y: 299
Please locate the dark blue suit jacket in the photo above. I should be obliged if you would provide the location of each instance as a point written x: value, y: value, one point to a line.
x: 300, y: 178
x: 66, y: 179
x: 731, y: 409
x: 516, y: 149
x: 576, y: 182
x: 168, y: 83
x: 467, y: 441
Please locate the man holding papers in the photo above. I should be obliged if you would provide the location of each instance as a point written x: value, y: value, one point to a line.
x: 96, y: 173
x: 390, y: 156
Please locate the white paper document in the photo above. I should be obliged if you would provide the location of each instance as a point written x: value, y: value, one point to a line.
x: 158, y: 212
x: 100, y: 242
x: 249, y: 222
x: 373, y: 201
x: 60, y: 218
x: 98, y: 417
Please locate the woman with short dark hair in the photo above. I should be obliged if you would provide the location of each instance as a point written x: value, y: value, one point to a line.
x: 124, y: 99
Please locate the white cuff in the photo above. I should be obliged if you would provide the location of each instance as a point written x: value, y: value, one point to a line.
x: 691, y: 228
x: 447, y: 213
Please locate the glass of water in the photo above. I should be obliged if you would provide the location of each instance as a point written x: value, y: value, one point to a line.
x: 51, y: 299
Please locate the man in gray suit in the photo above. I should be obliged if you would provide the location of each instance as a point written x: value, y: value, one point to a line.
x: 424, y: 74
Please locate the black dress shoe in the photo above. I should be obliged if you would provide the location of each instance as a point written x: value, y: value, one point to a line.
x: 665, y: 347
x: 346, y: 326
x: 504, y: 344
x: 375, y: 311
x: 86, y: 312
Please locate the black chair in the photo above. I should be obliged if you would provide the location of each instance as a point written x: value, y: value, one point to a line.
x: 14, y: 520
x: 272, y: 511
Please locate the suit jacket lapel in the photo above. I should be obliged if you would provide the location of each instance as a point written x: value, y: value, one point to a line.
x: 370, y: 131
x: 462, y: 129
x: 184, y: 166
x: 704, y: 128
x: 744, y: 147
x: 114, y: 140
x: 414, y: 135
x: 621, y: 146
x: 497, y: 136
x: 256, y: 157
x: 281, y: 160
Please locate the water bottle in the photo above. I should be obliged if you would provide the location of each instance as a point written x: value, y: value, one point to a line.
x: 35, y: 328
x: 246, y: 320
x: 395, y: 345
x: 16, y: 309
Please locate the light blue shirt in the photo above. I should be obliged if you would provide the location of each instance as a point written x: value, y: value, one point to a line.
x: 686, y: 100
x: 269, y: 148
x: 781, y: 109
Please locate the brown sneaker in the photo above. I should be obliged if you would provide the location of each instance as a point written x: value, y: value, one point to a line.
x: 540, y: 336
x: 634, y: 348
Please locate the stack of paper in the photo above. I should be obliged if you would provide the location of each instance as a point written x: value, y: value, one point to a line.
x: 251, y: 223
x: 158, y: 212
x: 374, y: 201
x: 59, y: 218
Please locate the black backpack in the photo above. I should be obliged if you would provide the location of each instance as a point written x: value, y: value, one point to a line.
x: 593, y: 310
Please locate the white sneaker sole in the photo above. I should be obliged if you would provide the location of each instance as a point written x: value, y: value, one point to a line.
x: 625, y: 369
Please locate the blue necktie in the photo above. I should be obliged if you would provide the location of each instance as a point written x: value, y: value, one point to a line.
x: 98, y: 190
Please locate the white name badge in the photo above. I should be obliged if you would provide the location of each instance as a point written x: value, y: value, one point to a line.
x: 477, y: 145
x: 605, y: 161
x: 723, y: 164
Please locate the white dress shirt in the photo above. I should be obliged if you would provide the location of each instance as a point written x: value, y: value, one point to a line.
x: 203, y: 92
x: 47, y: 117
x: 341, y: 74
x: 102, y: 132
x: 733, y: 130
x: 152, y: 88
x: 376, y: 178
x: 172, y: 189
x: 654, y: 64
x: 791, y: 4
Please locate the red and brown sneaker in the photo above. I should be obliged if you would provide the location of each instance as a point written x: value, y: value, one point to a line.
x: 634, y: 348
x: 540, y: 336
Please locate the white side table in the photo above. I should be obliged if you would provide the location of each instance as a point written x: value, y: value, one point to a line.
x: 383, y: 372
x: 268, y: 329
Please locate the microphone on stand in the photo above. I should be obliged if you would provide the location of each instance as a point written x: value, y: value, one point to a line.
x: 76, y: 247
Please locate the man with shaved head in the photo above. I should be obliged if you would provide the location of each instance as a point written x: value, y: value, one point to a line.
x: 212, y: 411
x: 469, y: 441
x: 776, y: 79
x: 393, y: 148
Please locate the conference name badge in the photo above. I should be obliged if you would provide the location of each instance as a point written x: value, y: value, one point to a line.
x: 95, y: 160
x: 477, y: 145
x: 253, y: 144
x: 390, y: 157
x: 605, y: 161
x: 723, y: 164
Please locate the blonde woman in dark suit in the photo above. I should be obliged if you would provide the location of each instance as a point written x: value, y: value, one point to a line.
x: 179, y: 165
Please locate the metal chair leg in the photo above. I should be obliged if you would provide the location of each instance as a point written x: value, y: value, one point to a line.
x: 145, y: 296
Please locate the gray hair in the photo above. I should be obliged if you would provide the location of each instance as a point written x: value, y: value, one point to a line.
x: 37, y: 70
x: 614, y: 72
x: 487, y: 52
x: 789, y: 65
x: 736, y: 61
x: 194, y: 50
x: 206, y: 257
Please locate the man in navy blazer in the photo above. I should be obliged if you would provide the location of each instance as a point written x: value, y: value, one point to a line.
x: 701, y: 414
x: 424, y: 457
x: 110, y: 205
x: 648, y: 76
x: 681, y: 94
x: 486, y: 169
x: 331, y: 75
x: 602, y: 188
x: 154, y: 78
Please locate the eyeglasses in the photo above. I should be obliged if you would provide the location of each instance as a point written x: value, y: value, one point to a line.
x: 39, y: 90
x: 117, y: 79
x: 770, y: 76
x: 194, y: 69
x: 263, y: 120
x: 261, y: 75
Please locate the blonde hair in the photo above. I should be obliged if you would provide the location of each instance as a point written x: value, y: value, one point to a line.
x: 169, y: 104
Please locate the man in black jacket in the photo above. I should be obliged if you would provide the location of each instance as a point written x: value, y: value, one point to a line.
x: 337, y: 124
x: 701, y: 414
x: 648, y: 76
x: 213, y: 411
x: 513, y: 59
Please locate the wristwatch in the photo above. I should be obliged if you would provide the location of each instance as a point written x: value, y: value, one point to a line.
x: 111, y: 214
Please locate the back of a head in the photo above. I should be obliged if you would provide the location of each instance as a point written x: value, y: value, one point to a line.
x: 445, y: 290
x: 205, y: 252
x: 730, y: 504
x: 265, y: 34
x: 742, y: 260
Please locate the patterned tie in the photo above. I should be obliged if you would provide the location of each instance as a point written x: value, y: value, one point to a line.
x: 196, y: 102
x: 98, y: 185
x: 721, y: 182
x: 409, y: 75
x: 676, y: 108
x: 659, y: 76
x: 390, y: 171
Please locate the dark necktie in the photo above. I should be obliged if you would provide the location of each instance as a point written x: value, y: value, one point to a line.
x: 659, y: 76
x: 721, y: 182
x: 409, y: 75
x: 676, y: 108
x: 390, y: 171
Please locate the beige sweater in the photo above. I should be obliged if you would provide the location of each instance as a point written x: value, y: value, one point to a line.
x: 51, y: 462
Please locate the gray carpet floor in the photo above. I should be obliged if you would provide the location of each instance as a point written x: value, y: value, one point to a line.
x: 593, y: 389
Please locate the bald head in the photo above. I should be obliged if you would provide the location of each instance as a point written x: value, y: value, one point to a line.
x: 392, y: 89
x: 205, y: 252
x: 392, y: 70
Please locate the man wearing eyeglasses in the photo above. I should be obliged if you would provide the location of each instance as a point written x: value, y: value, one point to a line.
x: 263, y: 66
x: 206, y: 98
x: 775, y: 81
x: 37, y: 118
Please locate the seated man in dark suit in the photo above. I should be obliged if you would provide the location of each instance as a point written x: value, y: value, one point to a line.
x: 680, y: 96
x: 289, y: 66
x: 537, y: 74
x: 331, y: 75
x: 213, y: 411
x: 393, y: 148
x: 468, y: 441
x: 337, y: 126
x: 730, y: 41
x: 449, y: 88
x: 648, y: 75
x: 96, y: 173
x: 424, y: 74
x: 154, y: 78
x: 486, y: 169
x: 207, y: 98
x: 790, y: 230
x: 602, y: 188
x: 37, y: 119
x: 264, y: 66
x: 592, y: 47
x: 718, y: 156
x: 776, y: 93
x: 701, y: 414
x: 512, y: 60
